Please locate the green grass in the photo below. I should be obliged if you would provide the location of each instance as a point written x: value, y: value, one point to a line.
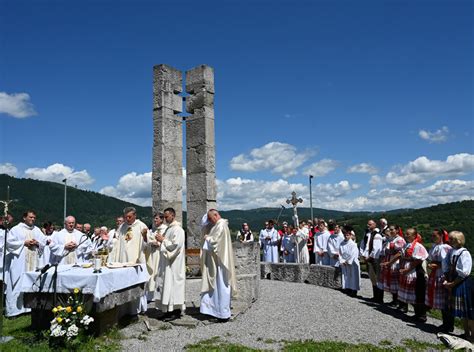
x: 27, y: 340
x: 216, y: 344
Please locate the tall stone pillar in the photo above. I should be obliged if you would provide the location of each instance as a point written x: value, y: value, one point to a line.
x: 167, y: 173
x: 200, y: 150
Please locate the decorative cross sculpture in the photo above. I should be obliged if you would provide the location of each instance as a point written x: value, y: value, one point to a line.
x: 294, y: 201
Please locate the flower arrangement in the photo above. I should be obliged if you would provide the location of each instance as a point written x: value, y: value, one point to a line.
x: 69, y: 321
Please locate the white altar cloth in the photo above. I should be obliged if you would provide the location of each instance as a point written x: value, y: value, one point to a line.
x: 99, y: 285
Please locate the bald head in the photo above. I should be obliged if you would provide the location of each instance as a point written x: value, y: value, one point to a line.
x: 213, y: 216
x: 70, y: 223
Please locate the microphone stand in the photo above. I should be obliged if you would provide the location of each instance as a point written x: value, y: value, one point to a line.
x: 4, y: 339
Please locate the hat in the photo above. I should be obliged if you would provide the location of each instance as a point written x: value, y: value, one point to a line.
x: 285, y: 223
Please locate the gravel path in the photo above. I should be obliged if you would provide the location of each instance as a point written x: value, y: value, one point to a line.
x: 290, y: 311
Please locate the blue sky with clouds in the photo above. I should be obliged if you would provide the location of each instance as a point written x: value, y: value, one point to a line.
x: 373, y: 98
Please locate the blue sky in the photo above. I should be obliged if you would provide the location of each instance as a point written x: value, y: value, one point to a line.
x: 375, y: 98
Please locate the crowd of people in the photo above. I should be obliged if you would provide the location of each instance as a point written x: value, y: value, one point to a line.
x: 397, y: 263
x: 161, y: 248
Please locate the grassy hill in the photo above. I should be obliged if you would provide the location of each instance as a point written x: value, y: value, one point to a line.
x: 47, y: 199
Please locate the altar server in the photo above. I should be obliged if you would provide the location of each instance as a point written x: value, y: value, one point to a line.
x: 69, y: 246
x: 301, y: 239
x: 348, y: 260
x: 171, y: 278
x: 25, y: 244
x: 269, y: 242
x: 217, y: 266
x: 288, y: 244
x: 321, y: 244
x: 334, y: 242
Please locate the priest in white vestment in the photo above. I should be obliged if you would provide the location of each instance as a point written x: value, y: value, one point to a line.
x: 217, y: 267
x: 129, y: 248
x: 152, y: 253
x: 25, y: 244
x: 69, y: 246
x: 171, y: 277
x: 269, y: 242
x: 321, y: 244
x: 301, y: 239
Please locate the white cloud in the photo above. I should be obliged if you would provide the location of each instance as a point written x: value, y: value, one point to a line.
x: 438, y: 136
x: 321, y: 168
x: 17, y: 105
x: 8, y: 169
x: 362, y: 168
x: 442, y: 191
x: 423, y: 169
x: 57, y: 172
x: 278, y: 158
x: 238, y: 193
x: 132, y: 187
x: 375, y: 180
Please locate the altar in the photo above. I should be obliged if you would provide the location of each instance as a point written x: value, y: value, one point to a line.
x: 109, y: 295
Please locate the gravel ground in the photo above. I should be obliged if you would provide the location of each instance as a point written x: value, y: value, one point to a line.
x: 289, y: 311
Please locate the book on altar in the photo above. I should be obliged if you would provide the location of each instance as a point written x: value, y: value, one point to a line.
x: 115, y: 265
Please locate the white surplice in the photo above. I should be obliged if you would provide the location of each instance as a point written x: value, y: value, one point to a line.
x: 288, y: 243
x: 349, y: 264
x: 334, y: 242
x: 270, y: 245
x: 60, y: 255
x: 321, y: 247
x: 302, y: 253
x: 20, y: 259
x: 171, y: 276
x: 129, y: 247
x: 152, y: 257
x: 218, y: 271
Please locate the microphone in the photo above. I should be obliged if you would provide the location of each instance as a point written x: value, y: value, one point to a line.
x: 45, y: 268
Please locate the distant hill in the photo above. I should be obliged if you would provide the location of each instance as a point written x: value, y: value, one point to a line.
x: 47, y: 198
x: 98, y: 209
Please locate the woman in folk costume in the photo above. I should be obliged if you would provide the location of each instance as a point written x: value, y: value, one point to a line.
x: 348, y: 261
x: 436, y: 293
x: 288, y: 244
x: 334, y: 242
x: 301, y: 238
x: 459, y: 283
x: 389, y: 273
x: 412, y: 275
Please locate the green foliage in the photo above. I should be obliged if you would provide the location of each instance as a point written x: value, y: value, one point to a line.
x: 27, y: 340
x: 47, y: 199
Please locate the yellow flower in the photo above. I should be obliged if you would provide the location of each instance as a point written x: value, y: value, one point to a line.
x: 55, y: 310
x: 60, y: 308
x: 79, y: 309
x: 59, y: 320
x: 68, y: 309
x: 76, y: 291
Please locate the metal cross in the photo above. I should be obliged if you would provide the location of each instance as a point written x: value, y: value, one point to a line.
x: 294, y: 201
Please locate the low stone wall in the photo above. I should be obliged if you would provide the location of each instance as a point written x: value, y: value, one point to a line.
x: 247, y: 269
x: 320, y: 275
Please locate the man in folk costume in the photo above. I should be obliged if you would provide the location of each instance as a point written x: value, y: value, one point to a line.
x: 171, y: 276
x: 25, y: 244
x: 269, y: 242
x: 152, y: 253
x: 69, y: 246
x: 371, y: 248
x: 217, y: 267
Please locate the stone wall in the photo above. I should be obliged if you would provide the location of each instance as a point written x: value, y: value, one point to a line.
x: 320, y: 275
x: 247, y: 269
x: 167, y: 170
